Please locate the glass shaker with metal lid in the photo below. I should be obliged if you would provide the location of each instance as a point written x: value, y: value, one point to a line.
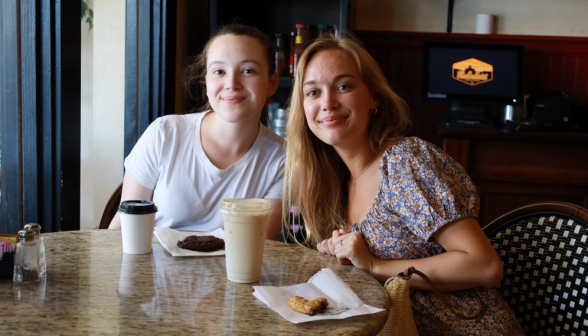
x: 26, y: 259
x: 40, y: 243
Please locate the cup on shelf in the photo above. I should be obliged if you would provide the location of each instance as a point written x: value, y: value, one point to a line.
x: 272, y: 110
x: 280, y: 114
x: 484, y: 24
x: 279, y: 123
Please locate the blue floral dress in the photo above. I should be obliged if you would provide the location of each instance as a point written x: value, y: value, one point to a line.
x: 421, y: 190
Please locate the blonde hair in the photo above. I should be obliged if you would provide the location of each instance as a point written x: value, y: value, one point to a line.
x: 315, y: 176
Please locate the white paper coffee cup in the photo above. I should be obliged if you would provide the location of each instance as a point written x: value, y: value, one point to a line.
x: 245, y: 223
x: 137, y: 218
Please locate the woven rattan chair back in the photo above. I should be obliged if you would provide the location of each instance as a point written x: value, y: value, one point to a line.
x: 545, y: 257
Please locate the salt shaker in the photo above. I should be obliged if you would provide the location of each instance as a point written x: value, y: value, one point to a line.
x: 26, y: 259
x: 41, y: 244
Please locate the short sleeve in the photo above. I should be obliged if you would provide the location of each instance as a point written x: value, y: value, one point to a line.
x: 143, y: 161
x: 427, y: 188
x: 275, y: 190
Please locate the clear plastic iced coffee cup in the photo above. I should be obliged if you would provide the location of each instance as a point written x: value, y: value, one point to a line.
x: 245, y: 221
x: 137, y: 218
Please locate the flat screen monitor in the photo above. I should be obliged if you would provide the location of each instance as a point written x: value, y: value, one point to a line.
x: 473, y: 73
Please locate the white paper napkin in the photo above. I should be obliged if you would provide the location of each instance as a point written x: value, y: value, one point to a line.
x: 169, y: 239
x: 343, y: 302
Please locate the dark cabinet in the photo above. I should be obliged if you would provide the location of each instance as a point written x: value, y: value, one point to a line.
x: 279, y: 16
x: 512, y: 169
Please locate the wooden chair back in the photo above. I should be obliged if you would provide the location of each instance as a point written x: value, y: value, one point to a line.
x: 111, y: 208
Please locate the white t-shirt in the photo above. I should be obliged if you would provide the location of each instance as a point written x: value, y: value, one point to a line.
x: 188, y: 188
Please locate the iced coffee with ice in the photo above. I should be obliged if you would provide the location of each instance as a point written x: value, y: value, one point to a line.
x: 245, y: 222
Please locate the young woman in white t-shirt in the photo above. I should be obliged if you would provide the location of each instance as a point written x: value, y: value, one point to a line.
x: 188, y: 163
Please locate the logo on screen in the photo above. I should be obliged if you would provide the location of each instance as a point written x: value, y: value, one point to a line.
x: 472, y: 72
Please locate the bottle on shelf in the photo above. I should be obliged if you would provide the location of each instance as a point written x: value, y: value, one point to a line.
x: 279, y: 56
x: 336, y: 30
x: 292, y: 40
x: 321, y: 29
x: 297, y: 50
x: 300, y: 27
x: 305, y: 32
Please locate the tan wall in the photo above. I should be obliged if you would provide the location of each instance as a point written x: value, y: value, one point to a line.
x: 109, y: 93
x: 515, y: 17
x: 103, y: 60
x: 86, y: 128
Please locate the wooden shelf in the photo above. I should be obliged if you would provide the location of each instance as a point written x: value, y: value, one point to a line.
x: 524, y: 136
x: 530, y: 175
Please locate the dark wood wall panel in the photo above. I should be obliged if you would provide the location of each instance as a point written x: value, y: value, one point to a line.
x: 581, y: 78
x: 553, y: 63
x: 526, y: 161
x: 512, y: 169
x: 498, y: 197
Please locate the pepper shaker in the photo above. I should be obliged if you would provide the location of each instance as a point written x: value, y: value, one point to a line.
x: 41, y: 244
x: 26, y: 259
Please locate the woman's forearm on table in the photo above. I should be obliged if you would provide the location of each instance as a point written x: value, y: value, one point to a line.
x: 470, y: 260
x: 449, y: 271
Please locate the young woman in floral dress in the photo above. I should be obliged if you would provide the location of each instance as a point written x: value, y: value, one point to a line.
x: 383, y: 202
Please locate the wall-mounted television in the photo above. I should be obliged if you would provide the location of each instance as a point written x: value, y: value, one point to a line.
x: 470, y: 75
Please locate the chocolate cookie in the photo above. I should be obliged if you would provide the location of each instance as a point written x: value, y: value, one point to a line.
x: 202, y: 243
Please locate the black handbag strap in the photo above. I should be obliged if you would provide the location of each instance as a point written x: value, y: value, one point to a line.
x: 410, y: 271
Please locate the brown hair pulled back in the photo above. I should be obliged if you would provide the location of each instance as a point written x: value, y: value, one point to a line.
x: 195, y: 72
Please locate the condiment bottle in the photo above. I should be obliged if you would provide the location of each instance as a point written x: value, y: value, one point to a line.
x: 336, y: 30
x: 36, y: 228
x: 300, y: 30
x: 292, y: 39
x: 279, y: 56
x: 296, y: 52
x: 322, y: 29
x: 305, y: 33
x: 26, y: 259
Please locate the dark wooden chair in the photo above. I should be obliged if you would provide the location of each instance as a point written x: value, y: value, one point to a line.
x: 544, y: 249
x: 111, y: 208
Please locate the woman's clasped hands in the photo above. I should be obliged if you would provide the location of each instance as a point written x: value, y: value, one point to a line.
x: 349, y: 248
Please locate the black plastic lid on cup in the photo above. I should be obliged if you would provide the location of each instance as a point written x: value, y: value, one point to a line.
x: 137, y: 207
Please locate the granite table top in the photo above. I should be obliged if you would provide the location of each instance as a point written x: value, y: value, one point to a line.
x: 92, y: 287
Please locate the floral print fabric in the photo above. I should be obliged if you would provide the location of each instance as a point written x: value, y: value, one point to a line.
x: 421, y: 190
